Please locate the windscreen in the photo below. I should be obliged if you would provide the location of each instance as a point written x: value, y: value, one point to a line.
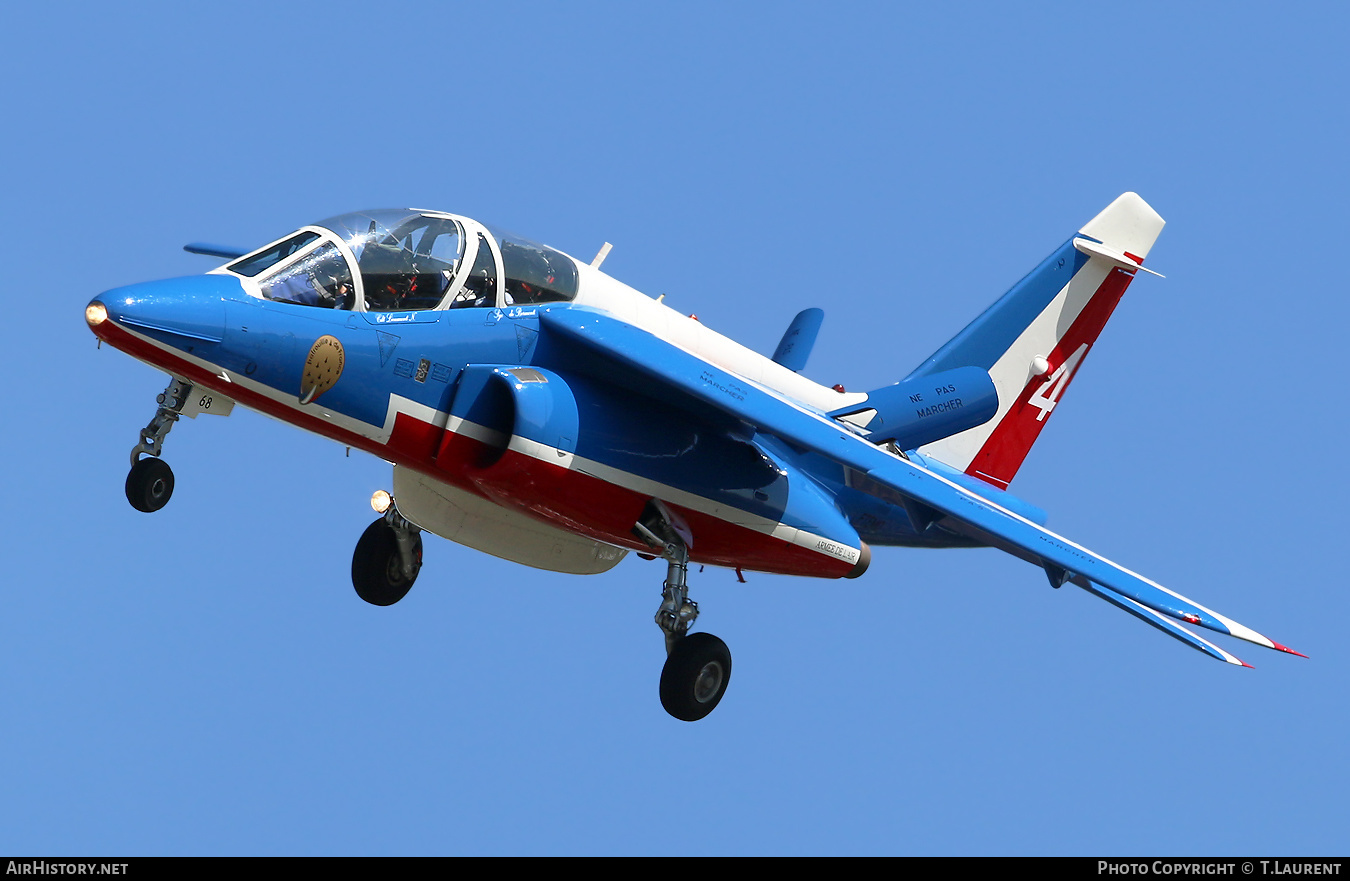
x: 320, y: 278
x: 256, y: 263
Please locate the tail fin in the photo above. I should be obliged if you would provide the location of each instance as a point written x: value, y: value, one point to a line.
x: 1034, y: 339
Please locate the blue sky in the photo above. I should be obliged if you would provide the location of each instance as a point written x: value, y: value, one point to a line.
x: 204, y: 680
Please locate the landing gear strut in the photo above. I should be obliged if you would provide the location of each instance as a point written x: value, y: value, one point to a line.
x: 388, y: 556
x: 150, y: 481
x: 698, y: 666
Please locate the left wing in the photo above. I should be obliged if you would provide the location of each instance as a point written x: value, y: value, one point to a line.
x: 930, y: 497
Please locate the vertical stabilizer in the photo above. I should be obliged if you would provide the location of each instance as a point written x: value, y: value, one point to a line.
x: 795, y: 346
x: 1035, y: 338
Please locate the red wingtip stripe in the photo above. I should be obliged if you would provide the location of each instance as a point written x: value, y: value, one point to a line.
x: 1245, y: 664
x: 1285, y: 648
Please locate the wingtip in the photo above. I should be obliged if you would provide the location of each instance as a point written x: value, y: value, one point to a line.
x: 1287, y: 649
x: 1245, y: 664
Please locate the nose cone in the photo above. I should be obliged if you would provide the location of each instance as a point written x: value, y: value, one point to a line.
x: 176, y: 310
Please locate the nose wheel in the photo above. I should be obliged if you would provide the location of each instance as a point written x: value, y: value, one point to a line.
x: 149, y: 485
x: 698, y: 665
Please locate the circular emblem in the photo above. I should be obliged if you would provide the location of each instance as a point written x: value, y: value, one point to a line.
x: 323, y: 366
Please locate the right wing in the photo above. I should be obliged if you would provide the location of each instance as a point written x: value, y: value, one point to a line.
x: 931, y: 498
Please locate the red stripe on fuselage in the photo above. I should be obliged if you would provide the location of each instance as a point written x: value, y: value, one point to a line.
x: 592, y: 506
x: 412, y: 441
x: 1008, y: 445
x: 568, y: 499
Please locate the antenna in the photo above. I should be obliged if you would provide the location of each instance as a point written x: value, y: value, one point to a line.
x: 601, y: 255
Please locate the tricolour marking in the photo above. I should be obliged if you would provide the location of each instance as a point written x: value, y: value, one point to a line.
x: 1018, y: 361
x: 599, y: 508
x: 412, y: 432
x: 647, y: 488
x: 1007, y: 446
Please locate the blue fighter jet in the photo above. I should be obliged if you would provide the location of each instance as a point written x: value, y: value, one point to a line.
x: 541, y: 411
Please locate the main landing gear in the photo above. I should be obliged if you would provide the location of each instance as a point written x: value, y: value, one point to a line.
x: 388, y: 556
x: 150, y: 481
x: 698, y: 665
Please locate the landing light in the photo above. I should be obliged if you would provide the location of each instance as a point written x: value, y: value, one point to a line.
x: 95, y: 313
x: 381, y: 501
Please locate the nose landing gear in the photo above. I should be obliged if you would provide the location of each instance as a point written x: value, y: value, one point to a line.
x: 698, y: 666
x: 150, y: 481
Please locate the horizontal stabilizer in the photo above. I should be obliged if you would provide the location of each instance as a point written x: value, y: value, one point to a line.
x: 227, y: 252
x: 798, y: 340
x: 1116, y: 258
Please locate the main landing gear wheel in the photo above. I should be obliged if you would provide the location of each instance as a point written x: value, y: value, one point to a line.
x: 695, y: 676
x: 378, y: 571
x: 149, y: 485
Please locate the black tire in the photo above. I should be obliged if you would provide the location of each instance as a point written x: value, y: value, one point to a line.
x: 149, y: 484
x: 695, y: 677
x: 377, y: 570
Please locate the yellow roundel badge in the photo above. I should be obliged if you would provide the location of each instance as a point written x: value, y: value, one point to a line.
x: 323, y: 366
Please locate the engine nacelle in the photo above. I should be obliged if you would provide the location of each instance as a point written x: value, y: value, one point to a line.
x: 528, y: 422
x: 588, y: 457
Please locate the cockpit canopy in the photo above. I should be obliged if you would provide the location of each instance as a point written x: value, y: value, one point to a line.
x: 400, y: 260
x: 535, y: 273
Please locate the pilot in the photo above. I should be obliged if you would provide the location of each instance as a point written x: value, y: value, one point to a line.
x: 394, y: 291
x: 339, y: 294
x: 306, y: 289
x: 523, y: 292
x: 480, y: 289
x: 301, y: 288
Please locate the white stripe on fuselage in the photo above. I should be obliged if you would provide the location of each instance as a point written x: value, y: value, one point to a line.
x: 693, y: 502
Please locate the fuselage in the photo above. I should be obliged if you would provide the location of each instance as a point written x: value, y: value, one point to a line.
x: 415, y: 336
x: 536, y: 409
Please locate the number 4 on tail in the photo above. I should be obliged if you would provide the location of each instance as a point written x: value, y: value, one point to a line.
x: 1048, y: 394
